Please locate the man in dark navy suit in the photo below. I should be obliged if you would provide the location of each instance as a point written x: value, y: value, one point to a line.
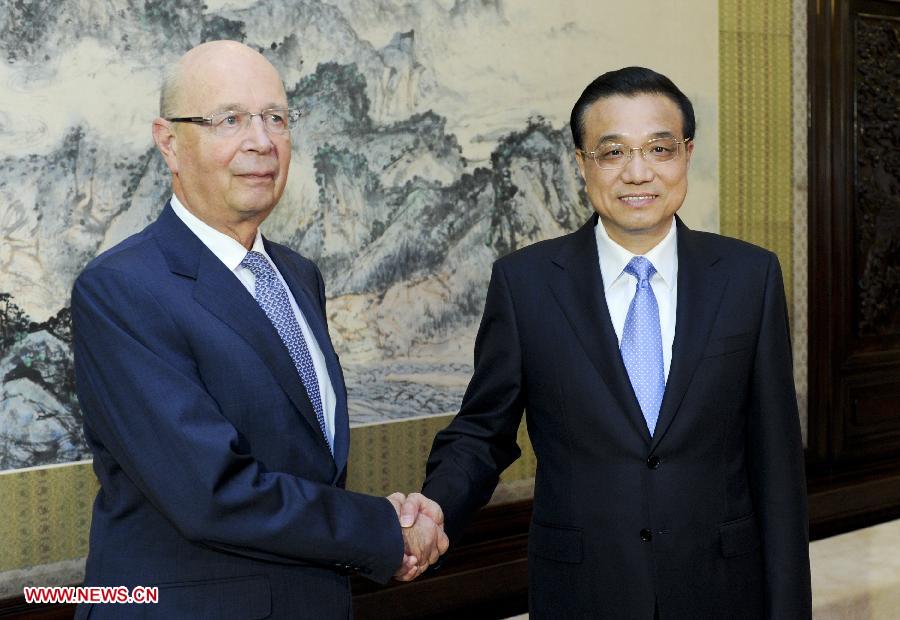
x: 213, y: 400
x: 653, y: 364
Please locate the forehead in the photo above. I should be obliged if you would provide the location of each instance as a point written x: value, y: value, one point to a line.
x: 232, y: 81
x: 634, y: 119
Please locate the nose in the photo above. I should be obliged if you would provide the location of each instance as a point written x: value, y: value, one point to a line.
x: 637, y: 170
x: 256, y: 137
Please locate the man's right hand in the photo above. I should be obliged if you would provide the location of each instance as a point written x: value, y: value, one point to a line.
x: 424, y: 540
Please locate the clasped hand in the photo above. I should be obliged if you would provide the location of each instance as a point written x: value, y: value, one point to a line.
x: 424, y: 540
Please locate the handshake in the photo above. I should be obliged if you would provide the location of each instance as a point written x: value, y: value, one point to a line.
x: 424, y: 540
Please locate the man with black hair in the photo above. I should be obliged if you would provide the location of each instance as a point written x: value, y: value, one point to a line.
x: 653, y: 364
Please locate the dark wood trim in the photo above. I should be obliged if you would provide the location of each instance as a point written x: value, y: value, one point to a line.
x: 820, y: 293
x: 843, y: 503
x: 16, y: 608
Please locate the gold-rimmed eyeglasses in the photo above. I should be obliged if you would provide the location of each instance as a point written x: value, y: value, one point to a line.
x: 231, y: 123
x: 612, y: 156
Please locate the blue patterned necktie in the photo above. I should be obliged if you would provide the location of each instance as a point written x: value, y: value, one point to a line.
x: 642, y: 343
x: 273, y: 299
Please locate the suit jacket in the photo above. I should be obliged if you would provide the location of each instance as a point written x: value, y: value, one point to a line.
x: 217, y: 484
x: 706, y: 519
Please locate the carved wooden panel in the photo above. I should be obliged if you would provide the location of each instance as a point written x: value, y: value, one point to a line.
x: 877, y: 186
x: 868, y: 379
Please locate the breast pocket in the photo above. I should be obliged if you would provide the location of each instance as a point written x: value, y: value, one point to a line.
x: 728, y: 344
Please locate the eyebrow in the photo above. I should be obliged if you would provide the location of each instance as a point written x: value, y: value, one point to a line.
x: 237, y: 107
x: 619, y: 138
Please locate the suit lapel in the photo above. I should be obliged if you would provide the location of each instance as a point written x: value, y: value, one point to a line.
x: 579, y: 292
x: 307, y: 300
x: 700, y: 288
x: 219, y: 291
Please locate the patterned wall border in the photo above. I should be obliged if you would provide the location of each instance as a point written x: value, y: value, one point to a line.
x: 49, y: 524
x: 799, y: 318
x: 47, y: 514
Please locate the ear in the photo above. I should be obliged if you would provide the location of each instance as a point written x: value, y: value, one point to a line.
x: 579, y: 159
x: 688, y: 151
x: 165, y: 139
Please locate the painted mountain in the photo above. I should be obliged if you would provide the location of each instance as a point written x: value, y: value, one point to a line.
x: 415, y: 166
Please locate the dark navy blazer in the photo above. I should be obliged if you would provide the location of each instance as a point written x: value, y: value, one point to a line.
x: 706, y: 519
x: 216, y: 482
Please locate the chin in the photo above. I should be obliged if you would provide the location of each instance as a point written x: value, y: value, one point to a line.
x: 256, y: 201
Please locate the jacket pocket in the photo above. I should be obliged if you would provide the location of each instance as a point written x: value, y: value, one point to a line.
x: 246, y: 598
x: 739, y: 536
x: 553, y: 542
x: 728, y: 344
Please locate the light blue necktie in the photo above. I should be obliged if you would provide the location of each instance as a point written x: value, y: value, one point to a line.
x: 642, y: 343
x: 273, y: 299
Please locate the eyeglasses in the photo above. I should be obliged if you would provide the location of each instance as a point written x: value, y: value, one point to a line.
x: 610, y: 156
x: 230, y: 123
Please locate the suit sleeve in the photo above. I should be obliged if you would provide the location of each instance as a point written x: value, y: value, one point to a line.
x: 147, y: 409
x: 468, y: 456
x: 776, y: 469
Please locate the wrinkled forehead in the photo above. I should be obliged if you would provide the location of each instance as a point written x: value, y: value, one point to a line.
x: 230, y: 78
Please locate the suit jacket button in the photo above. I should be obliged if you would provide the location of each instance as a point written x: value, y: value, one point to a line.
x: 646, y: 535
x: 653, y: 462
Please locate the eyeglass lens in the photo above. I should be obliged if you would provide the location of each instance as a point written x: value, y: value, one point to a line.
x: 276, y: 121
x: 610, y: 155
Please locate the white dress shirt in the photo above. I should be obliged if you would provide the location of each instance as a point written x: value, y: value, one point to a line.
x: 230, y: 252
x: 619, y: 287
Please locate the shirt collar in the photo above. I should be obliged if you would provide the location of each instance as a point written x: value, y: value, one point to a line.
x: 226, y: 249
x: 614, y: 258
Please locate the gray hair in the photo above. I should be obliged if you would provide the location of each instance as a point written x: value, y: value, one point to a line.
x: 169, y: 90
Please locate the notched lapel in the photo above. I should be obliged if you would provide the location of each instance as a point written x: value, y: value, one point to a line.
x: 307, y: 300
x: 700, y: 288
x: 579, y: 292
x: 220, y: 292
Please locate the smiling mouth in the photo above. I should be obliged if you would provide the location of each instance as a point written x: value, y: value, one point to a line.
x: 638, y: 200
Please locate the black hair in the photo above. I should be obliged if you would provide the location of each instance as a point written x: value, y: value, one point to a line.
x: 629, y: 82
